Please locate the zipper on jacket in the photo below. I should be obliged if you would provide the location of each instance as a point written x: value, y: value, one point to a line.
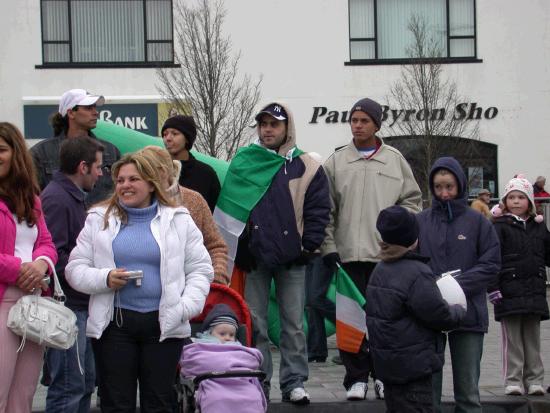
x: 387, y: 176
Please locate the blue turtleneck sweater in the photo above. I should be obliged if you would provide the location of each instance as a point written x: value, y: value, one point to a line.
x: 135, y: 248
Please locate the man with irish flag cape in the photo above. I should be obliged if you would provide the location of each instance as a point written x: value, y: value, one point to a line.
x: 275, y: 205
x: 365, y: 177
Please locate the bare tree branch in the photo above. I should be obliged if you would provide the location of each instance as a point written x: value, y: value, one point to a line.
x: 208, y: 85
x: 422, y: 87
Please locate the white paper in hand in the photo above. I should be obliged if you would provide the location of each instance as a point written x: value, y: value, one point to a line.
x: 451, y: 291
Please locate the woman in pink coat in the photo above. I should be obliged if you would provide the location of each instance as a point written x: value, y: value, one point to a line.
x: 23, y: 238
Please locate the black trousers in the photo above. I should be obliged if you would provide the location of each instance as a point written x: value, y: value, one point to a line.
x: 413, y: 397
x: 358, y: 365
x: 130, y: 354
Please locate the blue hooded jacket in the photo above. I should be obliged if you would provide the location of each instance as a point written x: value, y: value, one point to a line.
x: 455, y: 236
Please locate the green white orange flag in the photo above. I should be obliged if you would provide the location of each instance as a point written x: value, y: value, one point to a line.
x: 351, y: 325
x: 248, y: 178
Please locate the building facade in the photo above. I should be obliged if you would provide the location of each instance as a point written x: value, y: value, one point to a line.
x: 318, y: 56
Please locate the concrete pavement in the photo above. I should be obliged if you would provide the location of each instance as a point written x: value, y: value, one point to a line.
x: 326, y: 390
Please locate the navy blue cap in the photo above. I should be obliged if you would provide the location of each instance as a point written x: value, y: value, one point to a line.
x: 274, y: 110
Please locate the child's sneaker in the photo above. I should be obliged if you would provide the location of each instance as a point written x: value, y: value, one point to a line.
x: 535, y: 390
x: 513, y: 391
x: 298, y: 395
x: 358, y: 391
x: 379, y: 389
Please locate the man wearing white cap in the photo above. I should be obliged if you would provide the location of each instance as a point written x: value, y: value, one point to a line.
x: 76, y: 117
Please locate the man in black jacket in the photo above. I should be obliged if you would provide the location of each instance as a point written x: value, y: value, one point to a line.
x: 63, y: 203
x: 405, y: 316
x: 179, y: 133
x: 76, y: 117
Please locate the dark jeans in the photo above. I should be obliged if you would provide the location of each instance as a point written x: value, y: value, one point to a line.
x: 130, y: 354
x: 413, y: 397
x: 358, y: 365
x: 69, y: 390
x: 318, y: 307
x: 466, y: 349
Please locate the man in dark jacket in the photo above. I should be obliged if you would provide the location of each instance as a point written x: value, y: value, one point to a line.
x: 179, y: 133
x: 405, y: 314
x: 63, y: 203
x: 286, y: 209
x: 76, y: 117
x: 455, y: 237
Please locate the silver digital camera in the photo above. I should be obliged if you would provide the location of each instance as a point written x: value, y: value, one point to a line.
x: 135, y: 275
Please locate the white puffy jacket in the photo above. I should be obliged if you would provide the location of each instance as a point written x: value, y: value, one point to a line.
x: 185, y: 269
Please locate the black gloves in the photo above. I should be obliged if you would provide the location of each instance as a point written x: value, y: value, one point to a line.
x: 331, y: 260
x: 304, y: 258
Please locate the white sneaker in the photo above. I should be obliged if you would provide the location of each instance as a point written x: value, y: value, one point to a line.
x: 379, y: 389
x: 358, y: 391
x: 535, y: 390
x: 298, y: 395
x: 513, y: 391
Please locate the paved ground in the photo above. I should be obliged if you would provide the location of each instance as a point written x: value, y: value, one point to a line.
x: 324, y: 383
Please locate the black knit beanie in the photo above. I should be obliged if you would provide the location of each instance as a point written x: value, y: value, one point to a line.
x: 186, y: 125
x: 371, y: 108
x: 397, y: 226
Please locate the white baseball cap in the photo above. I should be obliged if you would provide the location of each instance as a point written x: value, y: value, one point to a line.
x: 76, y: 97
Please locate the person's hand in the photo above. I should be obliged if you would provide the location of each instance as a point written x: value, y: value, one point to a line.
x: 304, y: 258
x: 495, y: 297
x: 31, y: 275
x: 117, y: 278
x: 331, y: 260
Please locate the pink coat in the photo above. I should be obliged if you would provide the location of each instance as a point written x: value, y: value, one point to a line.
x: 9, y: 265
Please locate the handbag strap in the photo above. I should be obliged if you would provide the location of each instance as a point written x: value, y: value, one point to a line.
x: 57, y: 290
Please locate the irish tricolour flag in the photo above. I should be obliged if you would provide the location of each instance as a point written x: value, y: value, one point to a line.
x: 248, y: 178
x: 351, y: 325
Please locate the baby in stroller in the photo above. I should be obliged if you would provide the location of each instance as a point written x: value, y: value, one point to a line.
x: 226, y: 373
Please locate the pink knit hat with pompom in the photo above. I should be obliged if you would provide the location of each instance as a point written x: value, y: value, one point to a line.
x: 521, y: 184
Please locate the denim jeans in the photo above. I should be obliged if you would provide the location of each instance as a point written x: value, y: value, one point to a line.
x: 466, y: 350
x: 414, y: 396
x: 318, y: 307
x: 289, y: 286
x: 70, y: 391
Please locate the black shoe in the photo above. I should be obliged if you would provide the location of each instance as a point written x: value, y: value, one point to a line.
x: 316, y: 359
x: 337, y: 360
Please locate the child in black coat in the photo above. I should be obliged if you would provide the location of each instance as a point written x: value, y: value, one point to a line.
x: 519, y: 294
x: 405, y: 316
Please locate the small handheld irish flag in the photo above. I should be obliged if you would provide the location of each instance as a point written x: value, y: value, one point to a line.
x: 351, y: 325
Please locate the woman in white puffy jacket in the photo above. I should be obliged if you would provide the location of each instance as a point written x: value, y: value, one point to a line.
x: 139, y: 326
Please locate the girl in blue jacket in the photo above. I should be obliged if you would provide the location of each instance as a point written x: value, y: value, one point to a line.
x: 519, y: 293
x: 455, y: 237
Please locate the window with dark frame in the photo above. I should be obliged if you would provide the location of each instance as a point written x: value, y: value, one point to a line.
x: 103, y: 32
x: 378, y: 29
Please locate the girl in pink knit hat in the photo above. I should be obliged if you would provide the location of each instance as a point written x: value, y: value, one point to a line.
x: 519, y: 293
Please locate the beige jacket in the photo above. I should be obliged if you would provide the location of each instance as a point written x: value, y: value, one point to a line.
x: 359, y: 189
x: 482, y: 208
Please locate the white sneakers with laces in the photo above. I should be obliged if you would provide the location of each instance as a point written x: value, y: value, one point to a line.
x: 513, y: 390
x: 358, y: 391
x: 379, y: 389
x: 535, y: 390
x: 298, y: 395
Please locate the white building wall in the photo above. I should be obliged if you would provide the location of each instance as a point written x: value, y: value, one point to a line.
x: 299, y: 47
